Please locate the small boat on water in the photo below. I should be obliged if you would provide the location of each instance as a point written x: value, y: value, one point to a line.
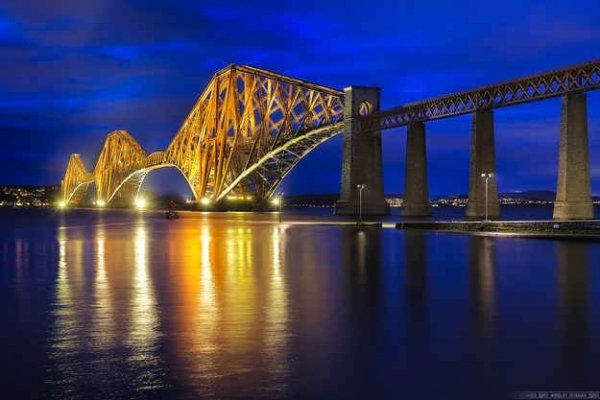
x: 171, y: 214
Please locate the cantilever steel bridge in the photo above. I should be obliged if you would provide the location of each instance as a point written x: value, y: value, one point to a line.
x: 250, y: 127
x: 245, y: 133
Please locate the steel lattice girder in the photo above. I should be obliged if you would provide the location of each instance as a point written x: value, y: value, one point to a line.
x: 120, y: 156
x: 244, y: 114
x: 120, y: 170
x: 250, y: 127
x: 243, y: 117
x: 579, y: 78
x: 275, y: 165
x: 76, y: 179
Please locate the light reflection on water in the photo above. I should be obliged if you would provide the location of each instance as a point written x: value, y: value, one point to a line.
x: 117, y: 305
x: 483, y: 282
x: 574, y: 309
x: 143, y: 331
x: 102, y: 336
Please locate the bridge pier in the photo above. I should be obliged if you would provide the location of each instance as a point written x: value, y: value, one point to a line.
x: 483, y: 161
x: 416, y: 193
x: 362, y: 164
x: 573, y: 194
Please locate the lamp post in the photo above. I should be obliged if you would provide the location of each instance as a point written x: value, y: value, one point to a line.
x: 360, y: 189
x: 487, y: 176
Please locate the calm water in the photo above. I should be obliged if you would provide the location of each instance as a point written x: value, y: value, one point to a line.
x: 116, y: 304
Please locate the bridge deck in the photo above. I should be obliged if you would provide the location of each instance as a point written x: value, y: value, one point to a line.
x: 579, y: 78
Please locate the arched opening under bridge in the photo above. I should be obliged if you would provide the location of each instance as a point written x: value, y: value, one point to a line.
x: 165, y: 186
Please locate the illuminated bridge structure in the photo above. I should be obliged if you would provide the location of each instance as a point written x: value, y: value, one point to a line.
x: 245, y: 133
x: 250, y: 127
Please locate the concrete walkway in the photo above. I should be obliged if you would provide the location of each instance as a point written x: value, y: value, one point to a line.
x: 583, y: 229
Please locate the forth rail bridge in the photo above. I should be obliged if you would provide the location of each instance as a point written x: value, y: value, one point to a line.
x: 250, y: 127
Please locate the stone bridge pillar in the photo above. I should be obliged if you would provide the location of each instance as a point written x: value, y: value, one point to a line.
x: 573, y: 195
x: 483, y: 161
x: 362, y: 162
x: 416, y: 194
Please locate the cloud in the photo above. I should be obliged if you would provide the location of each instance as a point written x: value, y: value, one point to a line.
x: 74, y: 71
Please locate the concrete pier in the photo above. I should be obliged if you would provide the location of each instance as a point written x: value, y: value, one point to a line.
x: 416, y: 193
x: 483, y: 160
x: 573, y: 194
x: 362, y: 164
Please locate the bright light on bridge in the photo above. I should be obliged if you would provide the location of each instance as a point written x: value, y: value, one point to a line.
x: 303, y: 114
x: 205, y: 201
x: 62, y: 204
x: 140, y: 203
x: 100, y: 203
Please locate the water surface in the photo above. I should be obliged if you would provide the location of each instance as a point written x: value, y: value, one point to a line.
x: 131, y: 305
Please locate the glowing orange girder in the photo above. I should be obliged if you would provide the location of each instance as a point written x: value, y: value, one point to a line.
x: 246, y: 116
x: 76, y: 179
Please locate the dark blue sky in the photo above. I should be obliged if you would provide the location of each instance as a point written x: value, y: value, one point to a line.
x: 74, y: 71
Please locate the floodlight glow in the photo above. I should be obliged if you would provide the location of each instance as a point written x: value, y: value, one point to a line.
x: 140, y: 203
x: 276, y: 201
x: 62, y: 204
x: 100, y: 203
x: 205, y: 201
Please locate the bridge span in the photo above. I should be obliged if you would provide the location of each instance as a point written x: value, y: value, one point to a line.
x: 250, y: 127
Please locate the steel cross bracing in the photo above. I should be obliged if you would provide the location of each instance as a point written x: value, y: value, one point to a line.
x: 578, y: 78
x: 250, y: 127
x: 247, y: 130
x: 244, y: 114
x: 76, y: 180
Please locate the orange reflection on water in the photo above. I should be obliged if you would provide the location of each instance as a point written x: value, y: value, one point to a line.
x: 208, y: 298
x: 207, y: 304
x: 104, y: 333
x: 143, y: 330
x: 69, y: 289
x: 192, y: 286
x: 63, y: 291
x: 276, y: 341
x: 69, y: 335
x: 231, y: 306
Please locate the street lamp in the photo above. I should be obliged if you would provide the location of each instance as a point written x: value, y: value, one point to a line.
x: 360, y: 189
x: 487, y: 176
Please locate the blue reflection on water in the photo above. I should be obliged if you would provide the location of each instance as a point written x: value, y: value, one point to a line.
x: 118, y: 304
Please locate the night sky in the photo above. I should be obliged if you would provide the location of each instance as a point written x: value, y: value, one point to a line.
x: 74, y: 71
